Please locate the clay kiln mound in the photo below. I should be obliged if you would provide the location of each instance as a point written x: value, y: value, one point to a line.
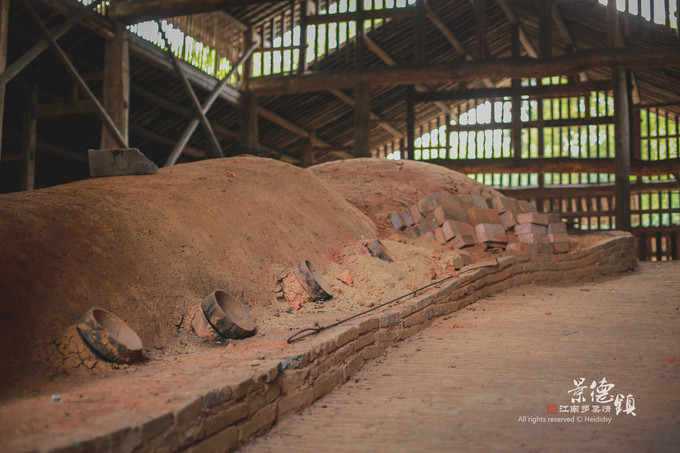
x: 379, y: 187
x: 150, y: 248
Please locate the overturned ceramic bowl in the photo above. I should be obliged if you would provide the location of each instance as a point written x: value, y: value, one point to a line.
x: 378, y: 249
x: 312, y: 281
x: 109, y: 336
x: 228, y: 315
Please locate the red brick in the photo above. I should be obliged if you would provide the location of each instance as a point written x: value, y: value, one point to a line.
x: 533, y: 217
x: 258, y: 423
x: 406, y: 217
x: 491, y: 233
x: 415, y: 213
x: 530, y: 228
x: 533, y: 238
x: 430, y: 235
x: 557, y: 228
x: 428, y: 223
x: 453, y: 229
x: 508, y: 219
x: 561, y: 237
x: 473, y: 201
x: 427, y: 204
x: 446, y: 211
x: 525, y: 206
x: 561, y: 247
x: 439, y: 235
x: 479, y: 215
x: 464, y: 240
x: 412, y: 232
x: 505, y: 204
x: 554, y: 218
x: 397, y: 222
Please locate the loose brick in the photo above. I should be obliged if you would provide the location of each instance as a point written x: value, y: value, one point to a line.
x: 530, y: 228
x: 406, y: 217
x: 561, y: 237
x: 505, y: 204
x: 533, y: 217
x: 491, y: 233
x: 444, y: 212
x: 428, y: 223
x: 416, y: 216
x: 561, y: 247
x: 427, y: 205
x: 557, y: 228
x: 525, y: 206
x: 508, y: 219
x: 554, y: 218
x: 439, y: 235
x: 397, y: 222
x: 473, y: 201
x: 480, y: 215
x: 453, y: 229
x: 532, y: 238
x: 412, y: 232
x: 463, y: 241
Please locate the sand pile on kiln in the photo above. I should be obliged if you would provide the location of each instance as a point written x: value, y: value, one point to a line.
x: 379, y: 187
x: 149, y: 248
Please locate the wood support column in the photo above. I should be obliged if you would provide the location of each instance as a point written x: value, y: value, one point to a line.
x: 4, y: 27
x: 29, y: 140
x: 622, y: 115
x: 479, y: 9
x: 116, y: 86
x: 248, y: 129
x: 420, y: 45
x: 516, y: 133
x: 410, y: 123
x: 362, y: 124
x: 545, y: 29
x: 308, y: 150
x: 302, y: 59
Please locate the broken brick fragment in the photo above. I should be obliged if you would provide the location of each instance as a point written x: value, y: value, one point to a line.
x: 346, y: 278
x: 491, y: 233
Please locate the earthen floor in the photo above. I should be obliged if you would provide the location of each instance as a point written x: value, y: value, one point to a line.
x: 482, y: 379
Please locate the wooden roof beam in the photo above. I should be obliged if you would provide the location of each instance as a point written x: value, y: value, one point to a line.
x: 349, y: 100
x: 384, y: 56
x: 134, y: 11
x: 513, y: 19
x: 464, y: 71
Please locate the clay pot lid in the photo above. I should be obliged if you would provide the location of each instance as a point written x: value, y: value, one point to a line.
x: 312, y: 281
x: 109, y: 336
x: 228, y: 315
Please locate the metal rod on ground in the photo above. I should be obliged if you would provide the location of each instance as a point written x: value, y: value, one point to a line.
x: 31, y: 54
x: 207, y: 104
x: 297, y: 336
x: 195, y: 104
x: 101, y: 111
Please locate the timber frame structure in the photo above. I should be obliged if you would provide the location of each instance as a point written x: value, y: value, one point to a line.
x: 309, y: 81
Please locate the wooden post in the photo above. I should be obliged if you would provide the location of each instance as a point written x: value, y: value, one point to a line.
x: 479, y: 7
x: 419, y: 44
x: 302, y: 60
x: 4, y: 27
x: 613, y: 29
x: 410, y: 123
x: 116, y: 85
x: 362, y: 125
x: 516, y: 133
x: 622, y: 139
x: 29, y: 139
x: 308, y: 150
x: 249, y: 130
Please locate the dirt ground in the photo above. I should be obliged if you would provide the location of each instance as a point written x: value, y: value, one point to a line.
x: 481, y: 379
x: 150, y: 248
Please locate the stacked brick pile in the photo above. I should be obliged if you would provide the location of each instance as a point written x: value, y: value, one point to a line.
x: 471, y: 220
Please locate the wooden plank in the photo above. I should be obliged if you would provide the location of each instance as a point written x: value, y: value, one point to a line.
x: 57, y: 109
x: 523, y: 38
x: 545, y: 28
x: 479, y: 9
x: 557, y: 165
x: 463, y: 71
x: 622, y: 129
x: 419, y: 42
x: 410, y: 123
x: 134, y: 11
x: 116, y: 86
x: 4, y: 29
x: 584, y: 190
x: 248, y: 122
x: 29, y: 139
x: 308, y: 151
x: 537, y: 92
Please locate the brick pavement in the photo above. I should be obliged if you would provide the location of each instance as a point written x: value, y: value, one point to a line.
x: 463, y: 384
